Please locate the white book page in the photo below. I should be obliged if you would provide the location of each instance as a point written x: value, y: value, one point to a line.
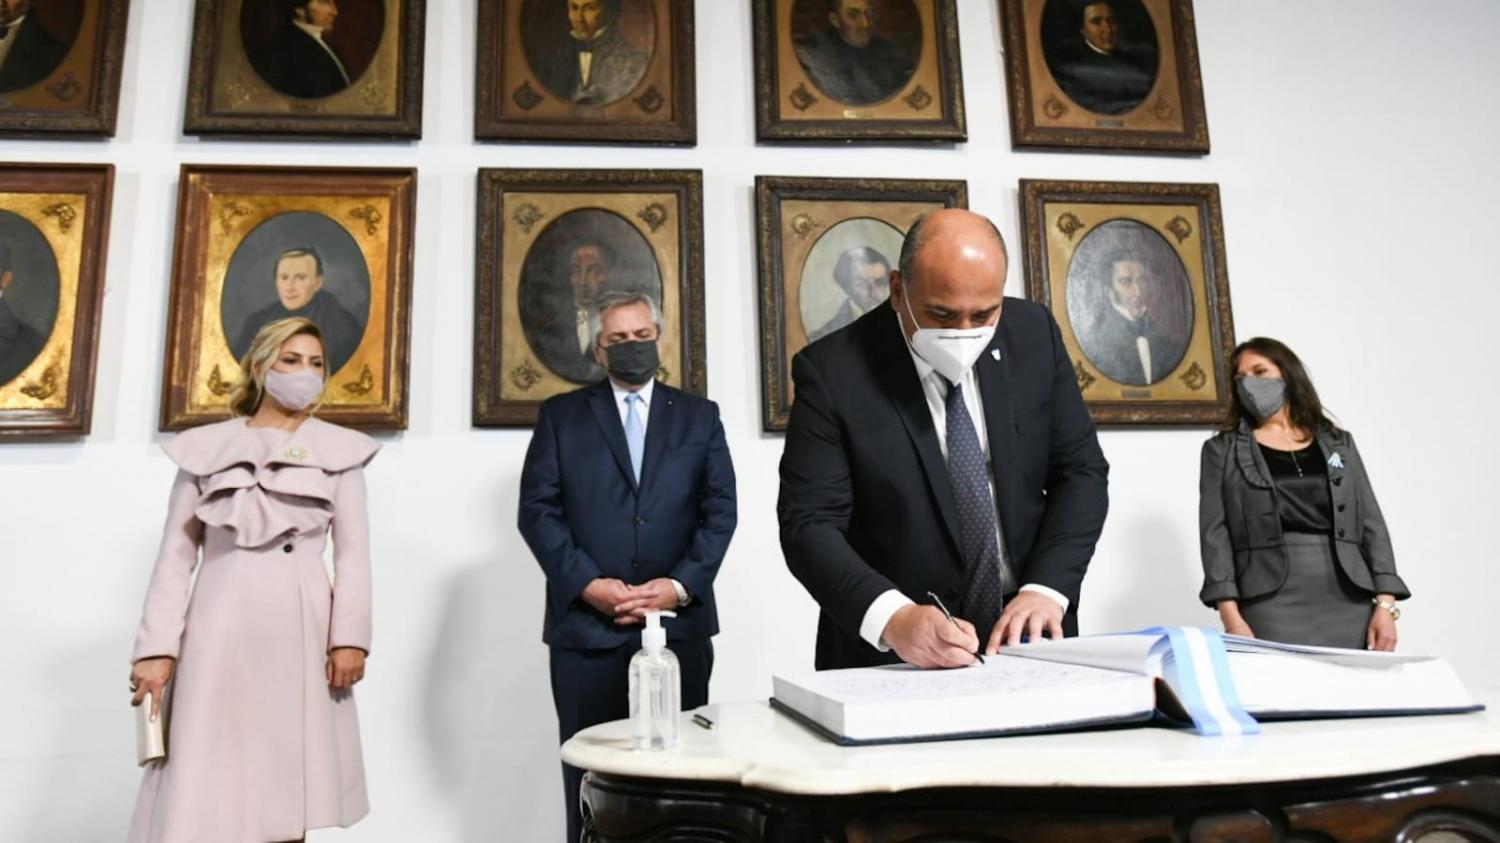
x: 1335, y: 655
x: 1270, y: 682
x: 1006, y: 693
x: 1130, y: 653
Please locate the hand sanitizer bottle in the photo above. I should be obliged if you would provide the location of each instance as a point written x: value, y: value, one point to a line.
x: 655, y: 689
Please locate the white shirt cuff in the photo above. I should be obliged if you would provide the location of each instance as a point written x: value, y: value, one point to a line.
x: 878, y: 615
x: 1049, y: 592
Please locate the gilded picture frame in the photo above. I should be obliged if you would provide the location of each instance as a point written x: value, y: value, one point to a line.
x: 61, y: 74
x: 237, y: 229
x: 1135, y: 274
x: 826, y: 247
x: 54, y: 235
x: 1106, y: 74
x: 553, y: 242
x: 637, y: 84
x: 877, y: 70
x: 258, y: 69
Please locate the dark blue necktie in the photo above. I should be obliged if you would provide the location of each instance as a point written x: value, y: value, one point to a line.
x: 978, y: 535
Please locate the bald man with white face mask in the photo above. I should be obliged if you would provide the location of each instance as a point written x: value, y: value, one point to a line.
x: 940, y: 445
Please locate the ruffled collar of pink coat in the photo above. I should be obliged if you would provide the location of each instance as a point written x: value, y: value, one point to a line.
x: 264, y: 486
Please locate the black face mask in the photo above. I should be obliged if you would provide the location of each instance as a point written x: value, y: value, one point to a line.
x: 633, y: 362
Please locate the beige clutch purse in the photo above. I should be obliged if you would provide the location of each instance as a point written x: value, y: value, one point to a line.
x: 150, y: 735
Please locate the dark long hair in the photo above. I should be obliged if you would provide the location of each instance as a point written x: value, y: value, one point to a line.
x: 1302, y: 404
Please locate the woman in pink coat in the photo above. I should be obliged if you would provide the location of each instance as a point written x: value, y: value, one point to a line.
x: 263, y: 740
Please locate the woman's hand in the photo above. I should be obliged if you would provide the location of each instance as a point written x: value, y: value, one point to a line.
x: 1233, y: 621
x: 346, y: 666
x: 150, y: 676
x: 1381, y: 633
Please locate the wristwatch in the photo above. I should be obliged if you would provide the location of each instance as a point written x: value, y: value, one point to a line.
x: 1389, y: 606
x: 683, y: 598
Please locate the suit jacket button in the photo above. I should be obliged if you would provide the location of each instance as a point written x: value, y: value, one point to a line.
x: 1338, y: 481
x: 639, y: 520
x: 1341, y: 507
x: 1341, y: 532
x: 286, y: 548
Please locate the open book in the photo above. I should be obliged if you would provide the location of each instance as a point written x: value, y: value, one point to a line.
x: 1219, y: 684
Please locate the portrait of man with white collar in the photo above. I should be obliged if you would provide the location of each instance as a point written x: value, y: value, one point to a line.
x: 1130, y: 303
x: 582, y: 51
x: 298, y: 60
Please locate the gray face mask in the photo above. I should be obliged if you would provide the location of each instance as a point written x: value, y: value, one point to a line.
x: 1261, y: 396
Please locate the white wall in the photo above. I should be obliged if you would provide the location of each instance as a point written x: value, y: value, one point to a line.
x: 1353, y: 143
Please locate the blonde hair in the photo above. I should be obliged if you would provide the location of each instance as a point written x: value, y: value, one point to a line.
x: 247, y: 394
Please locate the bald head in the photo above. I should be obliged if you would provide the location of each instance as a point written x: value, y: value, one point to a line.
x: 952, y: 275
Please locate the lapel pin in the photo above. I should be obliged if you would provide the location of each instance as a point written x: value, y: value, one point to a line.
x: 995, y: 353
x: 1336, y: 461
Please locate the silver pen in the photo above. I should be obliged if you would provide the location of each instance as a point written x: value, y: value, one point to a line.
x: 939, y: 603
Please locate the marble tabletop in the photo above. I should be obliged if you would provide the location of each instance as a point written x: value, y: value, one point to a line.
x: 754, y: 746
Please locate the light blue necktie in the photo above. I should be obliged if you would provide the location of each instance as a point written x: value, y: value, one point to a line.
x: 635, y: 432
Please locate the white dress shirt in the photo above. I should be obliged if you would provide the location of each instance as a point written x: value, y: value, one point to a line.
x: 621, y: 393
x: 316, y: 33
x: 1142, y: 345
x: 935, y: 389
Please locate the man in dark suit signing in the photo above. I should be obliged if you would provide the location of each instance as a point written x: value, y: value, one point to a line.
x: 940, y: 445
x: 28, y: 53
x: 297, y: 61
x: 628, y: 504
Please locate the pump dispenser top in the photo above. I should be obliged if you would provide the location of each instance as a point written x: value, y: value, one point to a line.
x: 654, y: 636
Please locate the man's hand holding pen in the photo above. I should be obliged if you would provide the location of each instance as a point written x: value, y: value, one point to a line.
x: 924, y: 636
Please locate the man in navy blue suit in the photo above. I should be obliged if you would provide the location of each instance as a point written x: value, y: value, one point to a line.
x: 628, y: 504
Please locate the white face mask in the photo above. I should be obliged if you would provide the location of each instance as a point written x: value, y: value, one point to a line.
x: 951, y: 351
x: 295, y: 391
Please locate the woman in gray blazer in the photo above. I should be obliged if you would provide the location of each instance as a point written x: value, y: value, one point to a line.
x: 1294, y: 545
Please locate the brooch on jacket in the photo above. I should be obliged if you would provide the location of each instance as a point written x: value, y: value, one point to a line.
x: 1336, y: 461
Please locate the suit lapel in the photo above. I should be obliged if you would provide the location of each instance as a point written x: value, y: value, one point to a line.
x: 603, y: 402
x: 900, y: 379
x: 658, y: 422
x: 1248, y: 455
x: 992, y: 371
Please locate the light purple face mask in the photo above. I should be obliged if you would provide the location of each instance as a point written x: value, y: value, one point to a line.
x: 295, y: 391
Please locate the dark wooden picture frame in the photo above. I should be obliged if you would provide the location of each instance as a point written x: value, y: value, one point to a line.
x: 235, y: 226
x: 545, y: 236
x: 1145, y: 94
x: 845, y: 230
x: 648, y: 92
x: 270, y: 79
x: 54, y: 235
x: 62, y: 75
x: 1136, y: 277
x: 910, y: 90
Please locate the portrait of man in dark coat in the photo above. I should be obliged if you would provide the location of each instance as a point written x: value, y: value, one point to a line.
x: 300, y: 292
x: 1093, y: 60
x: 28, y: 52
x: 297, y: 61
x: 593, y: 62
x: 1130, y: 303
x: 848, y: 61
x: 864, y: 274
